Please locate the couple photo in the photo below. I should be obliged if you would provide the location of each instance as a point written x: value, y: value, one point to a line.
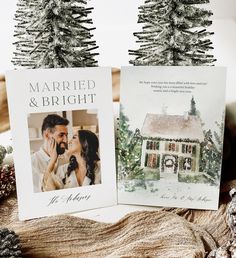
x: 60, y: 161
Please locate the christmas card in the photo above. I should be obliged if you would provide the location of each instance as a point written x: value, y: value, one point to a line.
x: 171, y: 136
x: 63, y: 139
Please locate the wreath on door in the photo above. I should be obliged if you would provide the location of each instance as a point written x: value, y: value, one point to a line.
x: 169, y: 163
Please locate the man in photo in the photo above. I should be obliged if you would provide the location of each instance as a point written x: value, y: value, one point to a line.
x: 54, y: 132
x: 84, y: 166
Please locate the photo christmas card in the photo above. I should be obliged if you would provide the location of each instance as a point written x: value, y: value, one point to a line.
x: 171, y: 136
x: 63, y: 139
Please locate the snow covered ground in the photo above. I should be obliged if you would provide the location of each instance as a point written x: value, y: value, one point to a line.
x: 170, y: 193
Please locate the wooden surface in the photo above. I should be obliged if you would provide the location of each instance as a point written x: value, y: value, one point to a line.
x: 4, y: 117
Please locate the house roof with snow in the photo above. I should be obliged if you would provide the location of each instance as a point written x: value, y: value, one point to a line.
x: 173, y: 127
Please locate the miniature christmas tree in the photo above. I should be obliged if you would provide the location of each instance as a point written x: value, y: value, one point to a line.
x: 24, y: 45
x: 129, y: 151
x: 173, y: 33
x: 54, y: 34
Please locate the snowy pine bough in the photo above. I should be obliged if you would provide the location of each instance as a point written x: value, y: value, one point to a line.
x: 53, y: 34
x: 174, y: 33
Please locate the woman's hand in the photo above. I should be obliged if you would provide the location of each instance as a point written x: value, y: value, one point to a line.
x: 52, y: 149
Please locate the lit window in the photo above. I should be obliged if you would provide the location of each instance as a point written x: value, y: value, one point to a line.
x: 173, y: 147
x: 151, y: 160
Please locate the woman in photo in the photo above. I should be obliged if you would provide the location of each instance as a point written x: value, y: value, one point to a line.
x: 83, y: 168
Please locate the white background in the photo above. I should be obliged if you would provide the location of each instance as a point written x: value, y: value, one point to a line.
x: 115, y: 22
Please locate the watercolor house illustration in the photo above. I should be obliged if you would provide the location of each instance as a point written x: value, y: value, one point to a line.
x: 171, y: 143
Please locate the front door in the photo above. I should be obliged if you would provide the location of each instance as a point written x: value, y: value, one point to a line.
x: 170, y: 163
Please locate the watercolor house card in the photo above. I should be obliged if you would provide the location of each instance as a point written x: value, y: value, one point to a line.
x: 171, y: 136
x: 63, y: 139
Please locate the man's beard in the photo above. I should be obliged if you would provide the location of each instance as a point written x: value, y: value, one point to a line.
x: 61, y: 148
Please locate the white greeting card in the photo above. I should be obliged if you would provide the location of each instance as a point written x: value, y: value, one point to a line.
x: 63, y: 139
x: 171, y: 136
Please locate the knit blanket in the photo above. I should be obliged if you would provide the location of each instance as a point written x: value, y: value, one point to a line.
x: 167, y: 233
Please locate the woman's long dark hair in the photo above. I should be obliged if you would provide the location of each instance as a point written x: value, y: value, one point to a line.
x: 89, y: 151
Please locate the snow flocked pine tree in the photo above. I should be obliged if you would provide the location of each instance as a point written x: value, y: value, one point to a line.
x: 129, y: 150
x: 193, y: 110
x: 212, y: 150
x: 55, y: 33
x: 173, y: 34
x: 24, y: 44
